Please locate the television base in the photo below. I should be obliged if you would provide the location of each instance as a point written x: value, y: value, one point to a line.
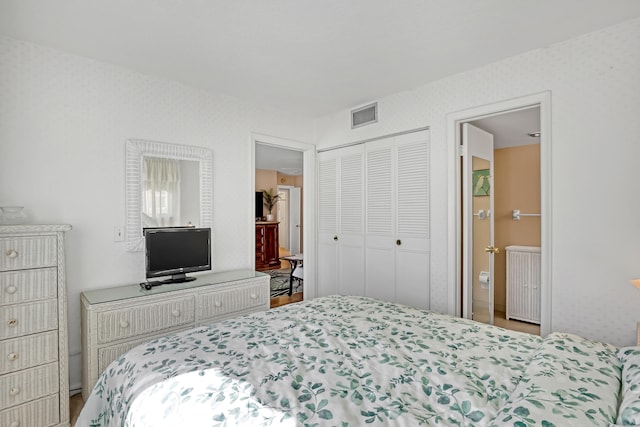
x: 176, y: 278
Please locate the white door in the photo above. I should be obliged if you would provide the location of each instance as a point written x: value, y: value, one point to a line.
x: 477, y: 224
x: 282, y: 216
x: 327, y: 224
x: 397, y: 219
x: 413, y: 245
x: 294, y: 220
x: 341, y: 222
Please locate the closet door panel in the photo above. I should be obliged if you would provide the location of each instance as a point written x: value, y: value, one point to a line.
x: 341, y: 222
x: 351, y: 262
x: 412, y: 188
x: 380, y: 268
x: 351, y: 222
x: 412, y: 278
x: 327, y: 265
x: 327, y: 194
x: 327, y: 224
x: 379, y: 189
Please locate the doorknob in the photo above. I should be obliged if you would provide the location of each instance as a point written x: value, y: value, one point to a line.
x: 492, y: 250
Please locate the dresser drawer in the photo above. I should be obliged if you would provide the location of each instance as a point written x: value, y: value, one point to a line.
x: 42, y: 413
x: 24, y: 319
x: 28, y: 285
x: 108, y: 354
x: 144, y: 319
x: 30, y: 384
x: 17, y: 253
x: 215, y: 304
x: 29, y: 351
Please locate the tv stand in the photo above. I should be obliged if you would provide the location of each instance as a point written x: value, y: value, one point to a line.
x: 116, y: 319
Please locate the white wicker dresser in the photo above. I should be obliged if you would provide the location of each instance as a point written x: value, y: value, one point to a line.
x: 117, y: 319
x: 34, y: 380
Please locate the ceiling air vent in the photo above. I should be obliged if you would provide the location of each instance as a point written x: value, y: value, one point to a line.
x: 364, y: 115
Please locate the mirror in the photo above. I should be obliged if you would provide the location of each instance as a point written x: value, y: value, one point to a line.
x: 166, y: 185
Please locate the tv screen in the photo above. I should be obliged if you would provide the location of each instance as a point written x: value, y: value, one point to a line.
x: 175, y: 251
x: 259, y: 203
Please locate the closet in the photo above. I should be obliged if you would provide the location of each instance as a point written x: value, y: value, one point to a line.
x: 373, y: 222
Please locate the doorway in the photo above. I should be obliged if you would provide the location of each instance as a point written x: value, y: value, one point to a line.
x: 486, y: 230
x: 288, y: 167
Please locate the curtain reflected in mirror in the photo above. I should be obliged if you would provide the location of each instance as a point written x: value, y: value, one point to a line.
x: 160, y: 192
x: 170, y: 193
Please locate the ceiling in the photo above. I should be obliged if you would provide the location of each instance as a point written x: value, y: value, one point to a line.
x: 512, y: 129
x: 311, y: 57
x: 287, y: 162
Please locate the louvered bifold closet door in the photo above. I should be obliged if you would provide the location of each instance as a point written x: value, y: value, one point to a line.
x: 412, y: 219
x: 379, y: 220
x: 327, y: 223
x: 351, y: 222
x: 340, y: 222
x: 397, y: 219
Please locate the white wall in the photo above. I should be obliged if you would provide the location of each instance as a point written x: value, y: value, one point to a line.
x: 595, y: 85
x: 64, y: 121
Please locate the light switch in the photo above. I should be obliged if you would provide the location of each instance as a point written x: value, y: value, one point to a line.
x: 118, y: 234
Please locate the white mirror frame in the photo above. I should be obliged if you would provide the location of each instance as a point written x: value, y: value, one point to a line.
x: 136, y: 149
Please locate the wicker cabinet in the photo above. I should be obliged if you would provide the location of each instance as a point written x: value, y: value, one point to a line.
x: 114, y: 320
x: 523, y: 283
x: 267, y: 246
x: 34, y: 379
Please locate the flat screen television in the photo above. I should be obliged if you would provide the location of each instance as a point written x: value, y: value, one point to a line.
x: 259, y: 204
x: 176, y: 251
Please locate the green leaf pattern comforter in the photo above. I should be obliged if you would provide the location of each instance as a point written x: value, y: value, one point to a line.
x: 354, y: 361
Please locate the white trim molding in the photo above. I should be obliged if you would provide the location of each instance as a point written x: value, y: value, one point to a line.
x: 136, y: 149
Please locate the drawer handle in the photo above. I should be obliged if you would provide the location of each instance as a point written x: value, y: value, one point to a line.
x: 14, y: 391
x: 11, y: 289
x: 254, y: 296
x: 12, y: 322
x: 15, y: 424
x: 217, y: 304
x: 12, y: 253
x: 124, y: 324
x: 176, y: 312
x: 12, y: 356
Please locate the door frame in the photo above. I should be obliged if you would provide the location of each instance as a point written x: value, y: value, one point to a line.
x: 308, y: 202
x: 454, y: 269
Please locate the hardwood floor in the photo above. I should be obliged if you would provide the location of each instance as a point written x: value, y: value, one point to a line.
x: 75, y: 406
x: 286, y: 299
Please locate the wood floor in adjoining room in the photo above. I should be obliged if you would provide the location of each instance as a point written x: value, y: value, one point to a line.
x: 500, y: 319
x: 75, y: 406
x: 286, y: 299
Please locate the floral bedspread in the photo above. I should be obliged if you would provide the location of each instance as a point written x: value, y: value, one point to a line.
x: 352, y: 361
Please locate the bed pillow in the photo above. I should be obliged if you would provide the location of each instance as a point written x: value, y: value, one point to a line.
x: 629, y: 410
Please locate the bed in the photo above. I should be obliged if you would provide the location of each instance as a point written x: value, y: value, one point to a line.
x: 352, y: 361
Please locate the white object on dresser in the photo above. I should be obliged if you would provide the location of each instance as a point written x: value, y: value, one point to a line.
x: 34, y: 379
x: 523, y: 283
x: 114, y: 320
